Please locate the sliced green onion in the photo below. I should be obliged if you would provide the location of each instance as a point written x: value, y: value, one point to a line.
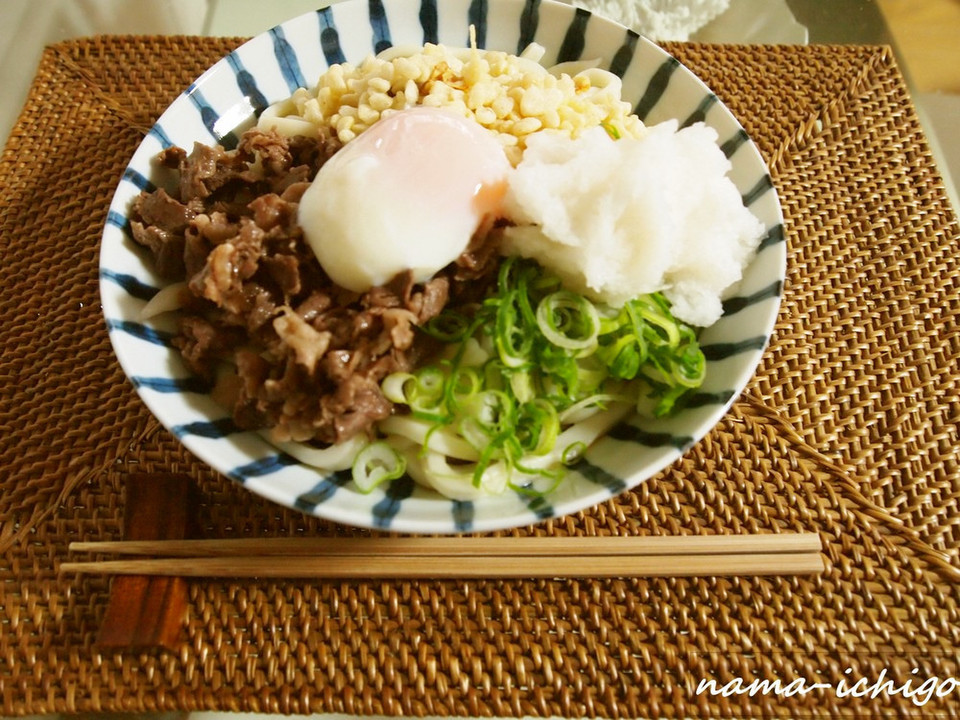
x: 426, y: 396
x: 568, y: 320
x: 611, y: 130
x: 507, y: 276
x: 487, y: 457
x: 375, y: 464
x: 561, y: 374
x: 532, y: 475
x: 476, y: 434
x: 573, y: 452
x: 537, y: 427
x: 397, y: 387
x: 623, y: 357
x: 462, y: 386
x: 668, y: 401
x: 588, y: 406
x: 513, y: 343
x: 691, y: 367
x: 430, y: 381
x: 492, y: 409
x: 522, y: 385
x: 591, y: 375
x: 658, y: 324
x: 535, y: 375
x: 449, y: 327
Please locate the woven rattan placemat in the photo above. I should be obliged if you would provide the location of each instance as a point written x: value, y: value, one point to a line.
x: 849, y: 429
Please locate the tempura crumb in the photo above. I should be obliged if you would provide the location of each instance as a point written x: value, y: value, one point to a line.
x: 511, y: 96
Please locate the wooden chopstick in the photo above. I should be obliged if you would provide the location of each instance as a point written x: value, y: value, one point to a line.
x: 459, y: 557
x: 464, y: 546
x: 471, y: 566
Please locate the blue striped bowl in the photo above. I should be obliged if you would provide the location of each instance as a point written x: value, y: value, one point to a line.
x: 224, y: 101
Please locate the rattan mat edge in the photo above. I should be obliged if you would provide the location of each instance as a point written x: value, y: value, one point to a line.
x: 848, y: 429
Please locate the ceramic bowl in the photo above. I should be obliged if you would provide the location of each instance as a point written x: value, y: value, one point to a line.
x: 225, y: 100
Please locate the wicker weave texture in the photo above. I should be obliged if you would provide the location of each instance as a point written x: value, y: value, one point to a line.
x: 849, y: 429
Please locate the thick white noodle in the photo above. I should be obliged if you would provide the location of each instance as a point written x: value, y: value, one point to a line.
x: 398, y: 51
x: 455, y: 482
x: 282, y: 117
x: 431, y: 468
x: 602, y: 81
x: 474, y: 354
x: 442, y: 441
x: 572, y: 67
x: 166, y: 300
x: 333, y: 458
x: 587, y: 432
x: 578, y: 412
x: 534, y: 51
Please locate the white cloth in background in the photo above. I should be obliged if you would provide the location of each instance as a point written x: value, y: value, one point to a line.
x: 26, y: 26
x: 658, y: 19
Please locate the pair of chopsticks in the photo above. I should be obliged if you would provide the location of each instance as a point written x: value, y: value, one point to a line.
x: 459, y: 557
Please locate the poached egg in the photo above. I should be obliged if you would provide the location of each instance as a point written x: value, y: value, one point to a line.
x: 406, y: 194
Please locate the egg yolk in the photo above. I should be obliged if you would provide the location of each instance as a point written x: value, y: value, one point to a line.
x: 406, y: 194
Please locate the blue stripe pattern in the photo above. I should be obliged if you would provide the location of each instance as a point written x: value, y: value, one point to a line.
x: 387, y: 509
x: 428, y: 21
x: 161, y: 135
x: 141, y: 331
x: 329, y: 38
x: 264, y: 466
x: 322, y: 491
x: 703, y: 399
x: 538, y: 505
x: 171, y: 385
x: 132, y: 176
x: 130, y: 284
x: 624, y: 56
x: 247, y: 84
x: 287, y: 60
x: 626, y: 432
x: 574, y: 40
x: 210, y: 118
x: 700, y: 114
x: 380, y: 26
x: 753, y: 194
x: 774, y: 236
x: 119, y: 220
x: 529, y: 21
x: 735, y: 143
x: 655, y: 88
x: 598, y: 476
x: 384, y: 511
x: 214, y: 429
x: 722, y: 351
x: 736, y: 304
x: 463, y: 512
x: 477, y: 16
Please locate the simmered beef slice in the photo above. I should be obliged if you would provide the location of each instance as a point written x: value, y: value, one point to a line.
x: 309, y: 355
x: 167, y: 248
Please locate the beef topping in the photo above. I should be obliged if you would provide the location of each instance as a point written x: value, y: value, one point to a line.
x: 309, y: 355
